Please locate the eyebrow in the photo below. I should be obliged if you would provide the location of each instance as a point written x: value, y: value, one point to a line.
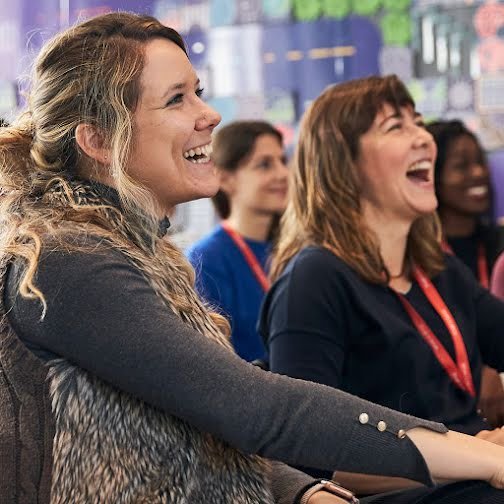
x: 398, y: 115
x: 395, y: 115
x: 177, y: 87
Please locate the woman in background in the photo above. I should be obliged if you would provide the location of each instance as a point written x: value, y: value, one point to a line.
x: 464, y: 194
x: 231, y: 261
x: 365, y: 300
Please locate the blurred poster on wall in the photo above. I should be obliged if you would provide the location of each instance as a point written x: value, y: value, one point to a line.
x: 365, y: 37
x: 40, y: 20
x: 430, y: 96
x: 496, y: 161
x: 83, y: 9
x: 306, y: 57
x: 235, y: 60
x: 10, y: 39
x: 326, y: 48
x: 8, y: 98
x: 279, y: 57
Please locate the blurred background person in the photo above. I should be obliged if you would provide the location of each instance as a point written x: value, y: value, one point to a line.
x: 231, y: 261
x: 465, y: 207
x: 464, y: 194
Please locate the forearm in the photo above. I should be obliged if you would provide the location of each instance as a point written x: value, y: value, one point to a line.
x: 451, y: 456
x: 455, y: 456
x: 367, y: 484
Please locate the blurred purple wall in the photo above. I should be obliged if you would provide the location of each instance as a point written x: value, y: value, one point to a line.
x: 496, y: 160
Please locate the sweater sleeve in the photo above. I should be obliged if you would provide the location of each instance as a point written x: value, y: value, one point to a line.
x: 288, y: 484
x: 102, y: 315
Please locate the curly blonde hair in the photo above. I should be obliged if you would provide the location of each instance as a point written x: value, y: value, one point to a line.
x: 324, y: 206
x: 89, y: 74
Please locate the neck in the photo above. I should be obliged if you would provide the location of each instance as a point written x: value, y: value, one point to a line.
x: 92, y: 174
x: 250, y: 225
x: 392, y: 237
x: 456, y: 224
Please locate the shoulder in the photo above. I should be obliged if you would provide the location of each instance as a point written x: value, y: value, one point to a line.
x: 75, y: 275
x: 456, y: 271
x: 317, y: 263
x: 313, y: 291
x: 493, y: 238
x: 315, y: 272
x: 499, y: 265
x: 211, y: 245
x: 75, y: 258
x: 456, y: 281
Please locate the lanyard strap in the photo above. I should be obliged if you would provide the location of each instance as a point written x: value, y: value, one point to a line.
x: 248, y: 255
x: 482, y: 263
x: 459, y: 372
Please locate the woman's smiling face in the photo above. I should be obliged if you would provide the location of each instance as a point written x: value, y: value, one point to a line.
x: 396, y: 164
x: 260, y: 183
x: 172, y: 129
x: 464, y: 183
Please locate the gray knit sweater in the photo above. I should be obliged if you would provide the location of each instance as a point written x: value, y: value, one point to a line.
x: 110, y: 331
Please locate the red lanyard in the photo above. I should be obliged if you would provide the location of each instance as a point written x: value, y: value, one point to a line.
x: 248, y: 256
x: 482, y: 262
x: 459, y: 372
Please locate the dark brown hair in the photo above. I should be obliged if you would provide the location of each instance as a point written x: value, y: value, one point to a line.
x: 324, y: 208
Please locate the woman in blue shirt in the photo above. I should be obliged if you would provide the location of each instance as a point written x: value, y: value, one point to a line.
x: 230, y: 262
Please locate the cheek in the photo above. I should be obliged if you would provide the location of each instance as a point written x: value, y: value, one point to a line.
x: 451, y: 179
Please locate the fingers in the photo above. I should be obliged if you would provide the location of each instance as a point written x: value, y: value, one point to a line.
x: 493, y: 436
x: 491, y: 404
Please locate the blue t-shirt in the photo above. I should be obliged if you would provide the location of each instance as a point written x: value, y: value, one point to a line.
x: 225, y: 280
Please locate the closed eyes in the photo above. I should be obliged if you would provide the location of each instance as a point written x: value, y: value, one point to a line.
x: 179, y: 97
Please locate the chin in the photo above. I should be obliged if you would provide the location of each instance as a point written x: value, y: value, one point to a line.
x: 478, y: 210
x: 207, y: 192
x: 426, y: 207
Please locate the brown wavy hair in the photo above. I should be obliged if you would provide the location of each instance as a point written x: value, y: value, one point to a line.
x: 324, y: 207
x: 90, y: 74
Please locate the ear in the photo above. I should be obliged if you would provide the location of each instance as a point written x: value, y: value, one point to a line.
x: 227, y: 182
x: 91, y: 142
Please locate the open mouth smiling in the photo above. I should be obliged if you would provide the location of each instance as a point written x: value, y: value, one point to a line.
x: 199, y: 154
x: 420, y: 171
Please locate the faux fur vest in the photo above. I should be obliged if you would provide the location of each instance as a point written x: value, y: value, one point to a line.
x: 109, y: 447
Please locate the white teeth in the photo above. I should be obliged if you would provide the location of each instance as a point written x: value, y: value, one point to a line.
x: 420, y: 165
x: 202, y: 150
x: 205, y: 159
x: 477, y: 191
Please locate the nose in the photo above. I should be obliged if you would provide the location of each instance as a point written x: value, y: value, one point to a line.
x: 208, y: 118
x: 422, y: 137
x: 282, y: 171
x: 479, y: 170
